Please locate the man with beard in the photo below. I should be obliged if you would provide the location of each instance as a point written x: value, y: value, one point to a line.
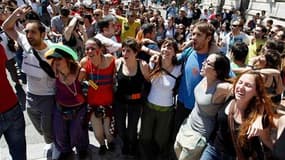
x: 40, y: 86
x: 202, y: 43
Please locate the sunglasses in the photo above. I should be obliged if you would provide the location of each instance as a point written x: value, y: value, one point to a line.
x: 96, y: 14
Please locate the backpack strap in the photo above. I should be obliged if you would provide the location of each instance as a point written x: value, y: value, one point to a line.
x: 44, y: 65
x: 168, y: 73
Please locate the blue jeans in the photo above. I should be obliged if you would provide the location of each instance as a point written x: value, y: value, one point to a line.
x: 211, y: 153
x: 12, y: 126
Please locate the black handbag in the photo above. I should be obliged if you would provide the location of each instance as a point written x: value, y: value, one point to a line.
x: 44, y: 65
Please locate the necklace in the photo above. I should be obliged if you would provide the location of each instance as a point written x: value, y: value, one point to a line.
x: 64, y: 81
x: 91, y: 82
x: 70, y: 89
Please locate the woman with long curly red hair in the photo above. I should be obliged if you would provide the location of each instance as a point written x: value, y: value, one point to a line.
x: 231, y: 139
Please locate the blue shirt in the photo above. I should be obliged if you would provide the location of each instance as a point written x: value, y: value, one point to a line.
x: 190, y: 76
x: 171, y: 12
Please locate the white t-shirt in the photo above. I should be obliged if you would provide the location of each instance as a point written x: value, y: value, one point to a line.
x: 111, y: 45
x: 161, y: 88
x: 38, y: 82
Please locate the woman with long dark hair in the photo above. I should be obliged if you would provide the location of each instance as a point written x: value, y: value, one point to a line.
x: 158, y: 112
x: 209, y: 94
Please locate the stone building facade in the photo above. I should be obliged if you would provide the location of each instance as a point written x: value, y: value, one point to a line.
x: 275, y: 9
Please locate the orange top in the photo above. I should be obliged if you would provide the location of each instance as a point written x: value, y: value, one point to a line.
x: 103, y: 79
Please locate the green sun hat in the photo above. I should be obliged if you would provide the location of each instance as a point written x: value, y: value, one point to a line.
x: 61, y: 51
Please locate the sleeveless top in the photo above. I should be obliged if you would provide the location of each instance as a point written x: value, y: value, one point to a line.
x: 64, y: 95
x: 223, y: 140
x: 202, y: 118
x: 103, y: 95
x: 128, y: 85
x: 161, y: 91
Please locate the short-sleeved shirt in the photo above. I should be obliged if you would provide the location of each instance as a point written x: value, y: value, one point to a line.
x: 190, y: 76
x: 253, y: 48
x: 38, y: 82
x: 58, y: 24
x: 128, y: 31
x: 229, y: 41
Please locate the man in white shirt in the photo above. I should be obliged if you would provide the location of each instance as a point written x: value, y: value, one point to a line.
x: 40, y: 87
x: 106, y: 33
x: 236, y: 35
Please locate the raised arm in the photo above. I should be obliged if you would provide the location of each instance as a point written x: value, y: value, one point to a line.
x: 69, y: 29
x: 271, y: 76
x: 83, y: 33
x: 10, y: 22
x: 223, y: 91
x: 149, y: 51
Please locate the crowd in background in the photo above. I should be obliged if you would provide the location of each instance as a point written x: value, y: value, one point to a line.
x: 205, y: 84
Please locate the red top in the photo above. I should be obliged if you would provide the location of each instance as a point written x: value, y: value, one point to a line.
x: 8, y: 98
x: 69, y: 95
x: 103, y: 78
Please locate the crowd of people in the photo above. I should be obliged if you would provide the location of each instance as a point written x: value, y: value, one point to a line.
x: 205, y: 84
